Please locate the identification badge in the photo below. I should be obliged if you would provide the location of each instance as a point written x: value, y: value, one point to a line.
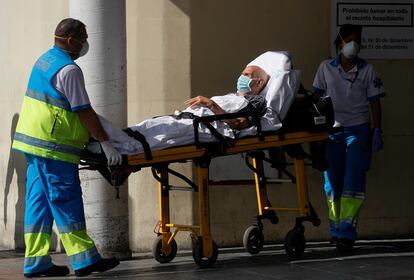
x: 319, y: 120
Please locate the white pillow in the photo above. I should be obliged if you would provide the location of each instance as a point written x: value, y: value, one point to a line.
x: 283, y: 83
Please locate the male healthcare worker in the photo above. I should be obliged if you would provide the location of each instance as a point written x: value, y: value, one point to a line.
x: 55, y: 122
x: 355, y: 90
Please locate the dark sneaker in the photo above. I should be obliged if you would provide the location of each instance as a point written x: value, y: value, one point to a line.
x: 54, y: 271
x: 333, y: 240
x: 100, y: 266
x: 344, y: 246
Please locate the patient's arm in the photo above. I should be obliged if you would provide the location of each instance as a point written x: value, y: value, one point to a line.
x: 238, y: 123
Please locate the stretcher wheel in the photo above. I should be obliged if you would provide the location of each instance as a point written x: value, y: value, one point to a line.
x: 159, y: 254
x: 199, y: 258
x: 253, y: 240
x: 295, y: 242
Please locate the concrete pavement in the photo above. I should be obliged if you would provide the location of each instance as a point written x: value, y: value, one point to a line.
x: 379, y: 260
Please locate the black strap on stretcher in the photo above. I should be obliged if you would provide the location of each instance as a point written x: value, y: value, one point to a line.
x: 206, y: 120
x: 214, y: 132
x: 141, y: 138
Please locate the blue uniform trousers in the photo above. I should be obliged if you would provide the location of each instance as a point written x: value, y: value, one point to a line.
x: 53, y: 193
x: 349, y: 155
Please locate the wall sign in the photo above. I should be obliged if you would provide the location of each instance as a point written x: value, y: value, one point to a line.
x: 387, y: 26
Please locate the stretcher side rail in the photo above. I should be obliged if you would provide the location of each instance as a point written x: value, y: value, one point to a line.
x: 189, y: 152
x: 134, y: 163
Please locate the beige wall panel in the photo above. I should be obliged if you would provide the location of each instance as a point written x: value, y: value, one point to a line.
x: 226, y: 35
x: 27, y: 31
x: 158, y: 47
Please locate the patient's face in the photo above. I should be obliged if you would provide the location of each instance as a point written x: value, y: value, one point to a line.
x: 257, y: 84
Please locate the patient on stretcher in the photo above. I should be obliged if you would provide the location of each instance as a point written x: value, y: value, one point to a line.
x: 266, y: 88
x: 249, y: 85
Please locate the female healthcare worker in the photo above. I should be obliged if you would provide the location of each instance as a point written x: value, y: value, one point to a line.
x: 355, y: 90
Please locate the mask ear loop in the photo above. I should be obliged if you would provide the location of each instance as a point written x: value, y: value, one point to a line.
x: 58, y: 37
x: 342, y: 39
x: 64, y: 38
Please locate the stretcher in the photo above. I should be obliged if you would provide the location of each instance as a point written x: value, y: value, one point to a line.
x: 205, y: 250
x: 280, y: 93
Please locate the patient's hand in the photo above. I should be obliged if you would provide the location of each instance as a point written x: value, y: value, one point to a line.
x: 199, y: 101
x: 204, y: 102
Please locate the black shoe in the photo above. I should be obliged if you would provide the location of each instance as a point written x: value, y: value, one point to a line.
x: 100, y: 266
x: 344, y: 246
x: 53, y: 271
x: 333, y: 240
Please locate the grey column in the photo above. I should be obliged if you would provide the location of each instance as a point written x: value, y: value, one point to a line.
x: 104, y: 68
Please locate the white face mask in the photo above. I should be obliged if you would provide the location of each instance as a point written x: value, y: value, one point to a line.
x: 350, y: 49
x: 85, y: 49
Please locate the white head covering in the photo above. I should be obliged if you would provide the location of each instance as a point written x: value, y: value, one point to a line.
x: 283, y: 83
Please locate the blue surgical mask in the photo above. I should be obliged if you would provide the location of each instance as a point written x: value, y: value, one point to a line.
x: 243, y: 84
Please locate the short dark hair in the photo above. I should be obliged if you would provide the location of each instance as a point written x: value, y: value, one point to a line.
x: 345, y: 31
x: 69, y: 26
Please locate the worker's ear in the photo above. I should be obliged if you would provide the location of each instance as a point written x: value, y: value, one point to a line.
x: 74, y: 43
x: 70, y: 42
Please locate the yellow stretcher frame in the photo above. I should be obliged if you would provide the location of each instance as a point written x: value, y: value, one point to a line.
x: 204, y: 249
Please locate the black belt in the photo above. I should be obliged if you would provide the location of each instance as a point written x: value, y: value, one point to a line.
x: 214, y: 132
x: 141, y: 138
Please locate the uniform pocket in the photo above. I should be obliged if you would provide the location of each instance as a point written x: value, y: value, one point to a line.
x: 55, y: 121
x: 63, y: 187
